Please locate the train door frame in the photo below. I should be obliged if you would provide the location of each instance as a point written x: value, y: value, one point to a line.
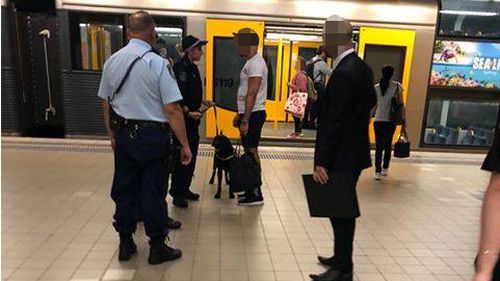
x: 389, y: 37
x: 275, y: 108
x: 216, y: 28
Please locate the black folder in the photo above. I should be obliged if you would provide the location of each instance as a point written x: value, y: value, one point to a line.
x: 337, y: 198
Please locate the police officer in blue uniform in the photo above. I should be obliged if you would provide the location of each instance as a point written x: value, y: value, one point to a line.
x: 141, y: 104
x: 189, y: 81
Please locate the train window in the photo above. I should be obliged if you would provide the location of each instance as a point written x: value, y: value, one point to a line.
x: 226, y: 73
x: 168, y: 39
x: 271, y: 58
x: 95, y: 37
x: 378, y: 55
x: 460, y: 122
x: 307, y: 53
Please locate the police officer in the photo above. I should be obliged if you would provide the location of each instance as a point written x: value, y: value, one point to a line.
x: 140, y: 96
x: 189, y: 81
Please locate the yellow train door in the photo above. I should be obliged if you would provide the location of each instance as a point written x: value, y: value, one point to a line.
x: 380, y: 46
x: 223, y: 65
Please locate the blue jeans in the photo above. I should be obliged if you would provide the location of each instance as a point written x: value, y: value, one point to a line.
x: 140, y: 158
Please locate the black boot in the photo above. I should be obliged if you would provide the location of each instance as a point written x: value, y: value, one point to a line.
x: 180, y: 202
x: 160, y: 252
x: 127, y: 247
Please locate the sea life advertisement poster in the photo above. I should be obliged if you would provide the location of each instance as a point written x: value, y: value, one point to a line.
x: 466, y: 64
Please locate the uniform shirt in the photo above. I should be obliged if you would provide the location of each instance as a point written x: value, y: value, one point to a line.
x: 254, y: 67
x: 321, y: 70
x: 384, y: 103
x: 189, y: 81
x: 149, y: 86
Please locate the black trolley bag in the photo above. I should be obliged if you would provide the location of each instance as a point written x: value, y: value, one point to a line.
x: 244, y: 172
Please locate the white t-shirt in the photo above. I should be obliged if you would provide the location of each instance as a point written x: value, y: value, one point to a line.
x: 384, y: 102
x: 254, y: 67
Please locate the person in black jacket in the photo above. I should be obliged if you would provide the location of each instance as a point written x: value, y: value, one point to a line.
x: 189, y: 81
x: 489, y: 246
x: 342, y: 143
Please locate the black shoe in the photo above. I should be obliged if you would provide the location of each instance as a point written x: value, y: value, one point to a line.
x: 180, y: 202
x: 173, y: 224
x: 251, y: 200
x: 127, y: 250
x: 192, y: 196
x: 161, y: 252
x: 332, y: 275
x: 326, y: 261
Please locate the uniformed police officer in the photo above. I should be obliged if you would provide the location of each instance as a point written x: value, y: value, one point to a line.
x: 140, y: 96
x: 189, y: 81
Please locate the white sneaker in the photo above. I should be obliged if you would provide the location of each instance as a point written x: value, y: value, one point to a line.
x: 385, y: 172
x: 378, y: 176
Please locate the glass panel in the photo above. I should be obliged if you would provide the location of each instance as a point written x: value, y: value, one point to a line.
x: 97, y: 43
x: 307, y: 53
x: 227, y: 67
x: 168, y: 38
x: 377, y: 56
x: 271, y: 58
x: 470, y: 18
x: 460, y: 122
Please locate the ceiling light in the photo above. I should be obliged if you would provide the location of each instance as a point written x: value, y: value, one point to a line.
x: 469, y: 13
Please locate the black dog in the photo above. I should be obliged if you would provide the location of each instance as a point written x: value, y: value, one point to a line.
x: 224, y: 154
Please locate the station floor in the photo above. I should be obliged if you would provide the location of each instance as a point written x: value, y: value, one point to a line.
x: 419, y: 224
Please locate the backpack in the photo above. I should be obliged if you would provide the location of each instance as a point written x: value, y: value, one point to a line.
x: 311, y: 90
x: 310, y: 68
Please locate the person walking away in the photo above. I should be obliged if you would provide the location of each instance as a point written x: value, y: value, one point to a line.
x: 298, y: 84
x: 190, y: 85
x: 320, y: 71
x: 251, y: 99
x: 386, y: 91
x: 140, y: 104
x: 488, y: 259
x: 342, y: 144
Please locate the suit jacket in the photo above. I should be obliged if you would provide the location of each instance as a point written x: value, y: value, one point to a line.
x: 342, y: 143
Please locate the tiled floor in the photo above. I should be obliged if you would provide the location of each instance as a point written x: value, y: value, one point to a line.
x: 420, y: 224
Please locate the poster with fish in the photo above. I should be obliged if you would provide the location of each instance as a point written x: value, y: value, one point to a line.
x: 466, y: 64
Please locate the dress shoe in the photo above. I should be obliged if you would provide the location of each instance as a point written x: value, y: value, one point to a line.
x: 173, y: 224
x: 127, y: 250
x: 192, y: 196
x: 160, y: 252
x: 329, y: 261
x: 332, y: 275
x: 180, y: 202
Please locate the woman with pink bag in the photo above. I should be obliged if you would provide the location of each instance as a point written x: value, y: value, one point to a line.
x: 298, y: 84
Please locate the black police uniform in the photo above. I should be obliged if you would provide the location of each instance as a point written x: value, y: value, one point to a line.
x: 189, y: 81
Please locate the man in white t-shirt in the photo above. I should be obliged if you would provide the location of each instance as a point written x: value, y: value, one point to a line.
x: 252, y: 94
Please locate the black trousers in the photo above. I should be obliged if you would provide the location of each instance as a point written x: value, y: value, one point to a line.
x: 384, y: 133
x: 343, y: 230
x: 139, y: 179
x: 298, y: 124
x: 310, y: 114
x: 182, y: 176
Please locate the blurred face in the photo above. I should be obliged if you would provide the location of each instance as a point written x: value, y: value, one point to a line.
x: 297, y: 66
x: 336, y: 37
x: 247, y: 44
x: 196, y: 53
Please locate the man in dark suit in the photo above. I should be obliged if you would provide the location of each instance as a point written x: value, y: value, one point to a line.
x: 342, y: 143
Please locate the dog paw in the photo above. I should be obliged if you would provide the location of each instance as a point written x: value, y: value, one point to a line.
x: 217, y: 196
x: 211, y: 182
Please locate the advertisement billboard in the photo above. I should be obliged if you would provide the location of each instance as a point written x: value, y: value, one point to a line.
x: 466, y: 65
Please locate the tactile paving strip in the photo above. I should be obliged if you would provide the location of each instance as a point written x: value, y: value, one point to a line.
x: 206, y: 150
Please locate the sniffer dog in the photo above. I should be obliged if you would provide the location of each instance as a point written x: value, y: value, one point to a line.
x: 224, y: 154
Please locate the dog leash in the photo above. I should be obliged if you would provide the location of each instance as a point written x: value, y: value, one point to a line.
x: 216, y: 121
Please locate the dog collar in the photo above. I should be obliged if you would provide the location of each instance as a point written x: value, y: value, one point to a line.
x: 224, y: 159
